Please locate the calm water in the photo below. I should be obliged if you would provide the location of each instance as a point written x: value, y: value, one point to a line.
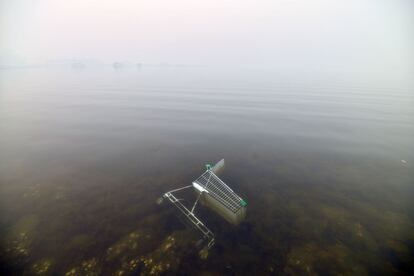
x: 327, y: 169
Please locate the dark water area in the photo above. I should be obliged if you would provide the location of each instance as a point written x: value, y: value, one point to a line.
x: 327, y: 169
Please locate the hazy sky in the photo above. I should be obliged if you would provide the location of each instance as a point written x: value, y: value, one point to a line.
x: 367, y: 35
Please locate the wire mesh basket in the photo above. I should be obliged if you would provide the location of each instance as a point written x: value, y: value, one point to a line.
x: 213, y: 193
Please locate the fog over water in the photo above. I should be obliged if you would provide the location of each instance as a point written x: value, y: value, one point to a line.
x: 311, y: 104
x: 360, y: 39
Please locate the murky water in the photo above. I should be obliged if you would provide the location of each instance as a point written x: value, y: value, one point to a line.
x: 327, y: 170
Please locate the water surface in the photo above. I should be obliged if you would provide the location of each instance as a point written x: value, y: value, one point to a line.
x: 327, y: 169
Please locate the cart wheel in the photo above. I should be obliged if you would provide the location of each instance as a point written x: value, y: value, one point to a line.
x: 199, y: 242
x: 160, y: 200
x: 203, y: 253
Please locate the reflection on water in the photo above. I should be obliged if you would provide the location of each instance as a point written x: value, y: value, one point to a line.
x: 85, y: 154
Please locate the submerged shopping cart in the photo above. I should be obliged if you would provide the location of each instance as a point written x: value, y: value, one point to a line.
x: 213, y: 193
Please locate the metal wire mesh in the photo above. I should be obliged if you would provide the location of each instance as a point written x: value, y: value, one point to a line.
x: 220, y: 191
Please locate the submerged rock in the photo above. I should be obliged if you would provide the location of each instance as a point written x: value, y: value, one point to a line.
x: 19, y: 239
x: 42, y: 267
x: 89, y: 267
x: 126, y: 244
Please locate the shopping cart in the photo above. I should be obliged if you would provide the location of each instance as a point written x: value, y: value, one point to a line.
x: 213, y: 193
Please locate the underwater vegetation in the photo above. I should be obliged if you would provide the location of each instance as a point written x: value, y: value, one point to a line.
x: 295, y: 225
